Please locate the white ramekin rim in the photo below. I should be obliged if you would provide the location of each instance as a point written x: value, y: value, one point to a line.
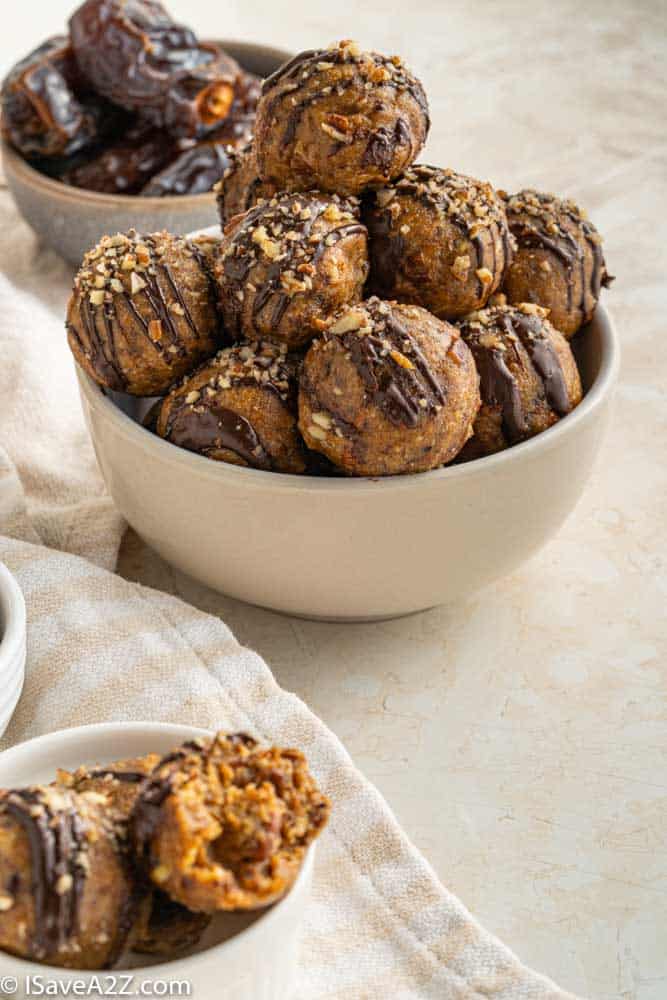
x: 164, y: 970
x: 13, y: 622
x: 191, y: 463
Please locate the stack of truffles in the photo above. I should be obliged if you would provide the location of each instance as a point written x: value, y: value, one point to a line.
x: 141, y: 854
x: 376, y: 316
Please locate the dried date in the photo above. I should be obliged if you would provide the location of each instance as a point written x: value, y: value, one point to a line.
x: 125, y: 166
x: 136, y: 56
x: 46, y: 111
x: 198, y: 168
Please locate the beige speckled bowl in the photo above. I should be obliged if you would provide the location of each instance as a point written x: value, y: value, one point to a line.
x: 71, y: 220
x: 353, y: 549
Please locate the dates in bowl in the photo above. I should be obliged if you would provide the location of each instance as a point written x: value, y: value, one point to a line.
x: 127, y: 115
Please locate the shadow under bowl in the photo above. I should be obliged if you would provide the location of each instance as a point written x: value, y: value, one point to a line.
x: 353, y: 549
x: 72, y: 220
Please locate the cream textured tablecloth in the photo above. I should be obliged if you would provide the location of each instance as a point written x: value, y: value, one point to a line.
x: 521, y: 735
x: 101, y: 648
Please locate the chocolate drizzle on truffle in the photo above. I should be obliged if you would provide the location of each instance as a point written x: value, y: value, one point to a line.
x: 57, y: 841
x: 215, y: 428
x: 470, y: 205
x: 495, y: 335
x: 368, y: 112
x: 127, y: 777
x: 286, y: 237
x: 396, y: 375
x: 317, y: 63
x: 539, y: 220
x: 128, y: 281
x: 200, y: 419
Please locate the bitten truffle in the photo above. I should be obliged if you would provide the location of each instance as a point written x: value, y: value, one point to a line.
x: 559, y: 262
x: 142, y: 312
x: 287, y: 265
x: 67, y: 896
x: 528, y: 375
x: 339, y: 119
x: 388, y: 389
x: 437, y: 239
x: 224, y: 823
x: 240, y: 407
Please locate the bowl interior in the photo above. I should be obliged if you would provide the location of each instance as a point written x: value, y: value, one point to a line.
x: 36, y: 762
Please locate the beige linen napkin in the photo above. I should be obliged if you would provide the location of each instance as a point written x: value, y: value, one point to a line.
x: 100, y: 648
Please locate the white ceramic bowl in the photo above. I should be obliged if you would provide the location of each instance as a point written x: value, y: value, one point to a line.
x: 12, y: 645
x: 353, y: 549
x: 241, y: 957
x: 71, y: 220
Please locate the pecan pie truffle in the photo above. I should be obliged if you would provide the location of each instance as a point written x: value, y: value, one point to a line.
x: 288, y: 265
x: 240, y: 186
x: 167, y: 928
x: 119, y: 782
x: 240, y: 407
x: 388, y: 389
x: 162, y: 927
x: 559, y: 262
x: 528, y: 376
x: 224, y: 824
x: 339, y: 119
x: 437, y: 239
x: 66, y: 895
x: 142, y: 312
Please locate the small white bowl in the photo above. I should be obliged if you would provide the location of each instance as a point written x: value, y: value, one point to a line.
x: 241, y: 957
x: 353, y: 549
x: 12, y: 645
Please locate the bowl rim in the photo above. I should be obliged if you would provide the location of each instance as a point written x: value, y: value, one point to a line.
x: 16, y: 164
x: 12, y: 620
x: 199, y: 465
x: 162, y: 970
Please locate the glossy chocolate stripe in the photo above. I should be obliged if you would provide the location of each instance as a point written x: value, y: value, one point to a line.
x: 56, y: 840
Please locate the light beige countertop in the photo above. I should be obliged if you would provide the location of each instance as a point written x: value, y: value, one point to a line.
x: 521, y: 736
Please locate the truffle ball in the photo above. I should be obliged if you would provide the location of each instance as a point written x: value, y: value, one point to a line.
x: 239, y: 407
x: 66, y: 894
x: 437, y: 239
x: 528, y: 376
x: 240, y: 186
x: 142, y: 312
x: 559, y: 262
x: 288, y: 265
x: 388, y: 389
x: 224, y: 824
x: 119, y: 782
x: 339, y: 119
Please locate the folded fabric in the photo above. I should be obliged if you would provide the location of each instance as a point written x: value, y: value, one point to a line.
x: 101, y: 648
